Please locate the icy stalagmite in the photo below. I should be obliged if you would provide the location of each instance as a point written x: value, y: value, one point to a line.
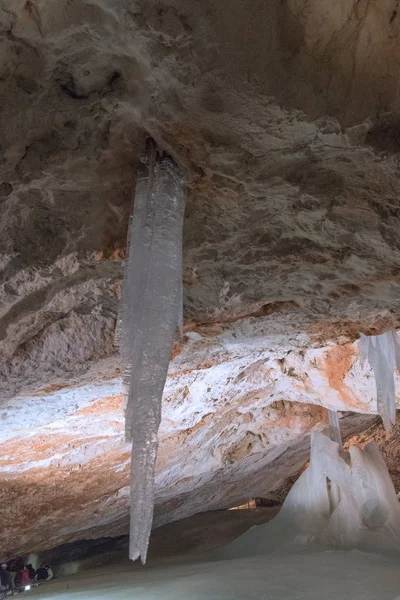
x: 150, y: 312
x: 383, y: 354
x: 341, y: 501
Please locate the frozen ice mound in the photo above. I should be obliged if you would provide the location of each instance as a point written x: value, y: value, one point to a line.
x: 341, y: 501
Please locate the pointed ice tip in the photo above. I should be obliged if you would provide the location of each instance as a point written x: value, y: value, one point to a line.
x: 134, y: 554
x: 388, y: 423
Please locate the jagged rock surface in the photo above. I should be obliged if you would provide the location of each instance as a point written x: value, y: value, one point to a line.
x: 290, y: 139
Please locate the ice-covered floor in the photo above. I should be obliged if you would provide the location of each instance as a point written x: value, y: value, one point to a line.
x: 307, y: 576
x: 340, y: 500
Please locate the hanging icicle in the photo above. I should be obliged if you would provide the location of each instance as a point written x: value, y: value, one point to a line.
x: 383, y: 354
x: 150, y: 312
x: 334, y: 426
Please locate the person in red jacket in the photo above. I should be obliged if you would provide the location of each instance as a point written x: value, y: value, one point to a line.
x: 25, y: 579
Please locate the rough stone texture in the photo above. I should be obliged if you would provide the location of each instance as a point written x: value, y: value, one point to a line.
x: 235, y: 421
x: 284, y: 115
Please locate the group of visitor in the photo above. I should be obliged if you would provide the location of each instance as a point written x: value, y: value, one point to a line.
x: 14, y: 575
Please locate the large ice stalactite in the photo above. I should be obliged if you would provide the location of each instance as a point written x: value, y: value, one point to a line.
x: 150, y: 312
x: 383, y: 354
x: 341, y: 501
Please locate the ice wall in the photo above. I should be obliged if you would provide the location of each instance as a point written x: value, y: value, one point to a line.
x: 151, y: 310
x: 383, y: 354
x: 338, y: 502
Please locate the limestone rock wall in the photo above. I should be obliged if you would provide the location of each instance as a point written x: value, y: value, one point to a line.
x: 284, y: 117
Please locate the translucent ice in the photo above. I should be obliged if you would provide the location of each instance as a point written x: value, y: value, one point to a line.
x: 383, y: 354
x: 150, y: 311
x: 335, y: 427
x: 338, y: 502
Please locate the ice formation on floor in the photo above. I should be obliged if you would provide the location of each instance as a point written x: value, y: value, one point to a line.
x: 383, y: 354
x: 340, y: 501
x: 150, y: 312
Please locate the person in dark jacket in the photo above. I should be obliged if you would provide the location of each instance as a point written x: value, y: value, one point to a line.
x: 31, y: 572
x: 5, y: 577
x: 41, y: 574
